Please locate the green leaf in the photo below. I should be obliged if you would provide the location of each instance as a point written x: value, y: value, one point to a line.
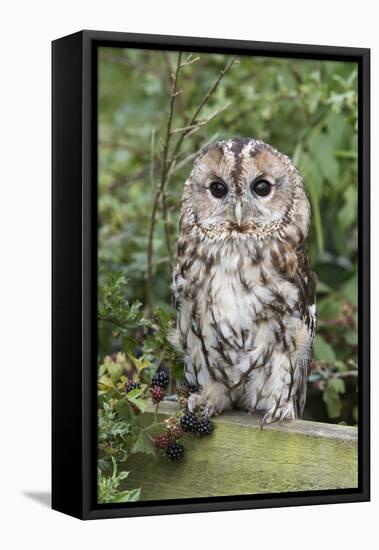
x: 331, y: 396
x: 143, y: 444
x: 322, y: 288
x: 351, y: 337
x: 141, y: 404
x: 348, y: 213
x: 328, y: 308
x: 127, y: 496
x: 115, y: 372
x: 125, y: 410
x: 322, y: 150
x: 351, y: 290
x: 323, y: 350
x: 133, y: 394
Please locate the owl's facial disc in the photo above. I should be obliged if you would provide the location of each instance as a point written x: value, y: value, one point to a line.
x: 243, y: 186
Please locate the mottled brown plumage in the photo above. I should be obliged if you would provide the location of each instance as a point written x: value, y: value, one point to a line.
x: 243, y: 286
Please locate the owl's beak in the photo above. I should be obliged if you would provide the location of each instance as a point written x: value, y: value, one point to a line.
x: 238, y: 212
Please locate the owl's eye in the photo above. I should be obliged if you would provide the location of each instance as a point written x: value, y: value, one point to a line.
x: 261, y: 187
x: 218, y: 189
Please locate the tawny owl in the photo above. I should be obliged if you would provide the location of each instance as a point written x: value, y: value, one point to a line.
x: 243, y: 287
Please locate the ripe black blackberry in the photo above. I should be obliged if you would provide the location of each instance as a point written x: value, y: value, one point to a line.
x: 156, y: 394
x: 189, y: 422
x: 160, y: 379
x: 138, y: 352
x: 205, y: 427
x: 130, y: 385
x: 175, y: 451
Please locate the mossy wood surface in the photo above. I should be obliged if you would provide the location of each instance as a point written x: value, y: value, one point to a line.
x: 239, y: 458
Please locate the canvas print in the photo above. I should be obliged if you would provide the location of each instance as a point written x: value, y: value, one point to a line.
x: 227, y: 275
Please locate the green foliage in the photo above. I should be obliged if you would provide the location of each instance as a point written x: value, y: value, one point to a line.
x: 334, y: 388
x: 305, y: 108
x: 108, y: 487
x: 122, y: 429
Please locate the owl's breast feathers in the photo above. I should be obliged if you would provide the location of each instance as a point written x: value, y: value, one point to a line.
x: 242, y: 306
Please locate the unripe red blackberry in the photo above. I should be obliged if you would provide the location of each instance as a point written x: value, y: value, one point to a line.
x: 160, y: 379
x: 175, y: 451
x: 130, y: 385
x: 162, y: 441
x: 156, y: 394
x: 176, y: 432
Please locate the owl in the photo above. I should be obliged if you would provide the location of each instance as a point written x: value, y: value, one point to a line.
x: 243, y: 287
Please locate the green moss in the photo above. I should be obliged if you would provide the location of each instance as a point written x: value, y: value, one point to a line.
x: 240, y: 459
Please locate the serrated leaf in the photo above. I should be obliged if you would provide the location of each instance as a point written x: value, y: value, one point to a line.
x: 141, y: 363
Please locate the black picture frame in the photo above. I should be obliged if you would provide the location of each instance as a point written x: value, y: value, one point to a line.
x: 74, y: 205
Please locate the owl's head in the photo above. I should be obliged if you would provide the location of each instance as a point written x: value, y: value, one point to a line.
x: 244, y: 187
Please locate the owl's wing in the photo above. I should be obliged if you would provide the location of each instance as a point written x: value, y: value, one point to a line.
x: 306, y: 282
x: 178, y: 336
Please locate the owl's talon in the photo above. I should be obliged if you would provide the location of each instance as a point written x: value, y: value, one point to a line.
x: 206, y: 412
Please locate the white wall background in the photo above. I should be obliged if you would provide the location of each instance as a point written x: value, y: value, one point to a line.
x: 26, y: 31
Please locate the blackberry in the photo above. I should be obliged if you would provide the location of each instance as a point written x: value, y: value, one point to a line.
x: 205, y: 427
x: 130, y: 385
x: 176, y: 431
x: 189, y: 422
x: 156, y: 394
x: 160, y: 379
x: 162, y: 441
x: 175, y: 451
x: 138, y: 352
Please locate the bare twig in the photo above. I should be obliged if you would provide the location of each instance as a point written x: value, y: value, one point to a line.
x: 189, y: 130
x: 189, y: 60
x: 197, y: 111
x: 168, y: 164
x: 189, y: 158
x: 159, y: 195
